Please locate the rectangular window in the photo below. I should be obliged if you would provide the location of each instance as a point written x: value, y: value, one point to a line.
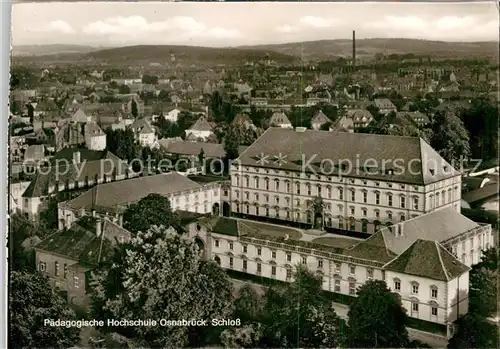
x: 415, y: 203
x: 230, y: 245
x: 273, y: 254
x: 216, y: 243
x: 397, y: 285
x: 231, y: 262
x: 377, y: 199
x: 337, y: 267
x: 288, y: 273
x: 369, y: 273
x: 353, y: 195
x: 434, y: 311
x: 304, y: 260
x: 352, y: 288
x: 42, y: 266
x: 414, y: 307
x: 414, y: 289
x: 273, y: 270
x: 389, y: 200
x: 365, y: 197
x: 259, y: 268
x: 288, y: 257
x: 56, y: 268
x: 65, y: 271
x: 434, y: 293
x: 320, y: 263
x: 352, y: 270
x: 337, y: 285
x: 402, y: 201
x: 76, y: 282
x: 259, y: 251
x: 244, y: 265
x: 353, y: 211
x: 244, y: 248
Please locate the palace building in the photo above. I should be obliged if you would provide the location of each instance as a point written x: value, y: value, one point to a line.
x: 364, y: 180
x: 417, y: 258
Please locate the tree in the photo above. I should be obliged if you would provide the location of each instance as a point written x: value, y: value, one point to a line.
x: 298, y: 314
x: 376, y: 318
x: 21, y: 229
x: 153, y: 209
x: 133, y: 108
x: 161, y: 276
x: 31, y: 301
x: 481, y: 120
x: 474, y: 332
x: 122, y: 144
x: 449, y: 137
x: 483, y: 296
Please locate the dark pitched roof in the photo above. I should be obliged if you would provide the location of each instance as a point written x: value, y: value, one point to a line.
x: 201, y: 125
x: 211, y: 150
x: 79, y: 243
x: 427, y: 259
x: 69, y: 172
x: 490, y: 190
x: 114, y: 196
x: 373, y: 248
x: 427, y: 166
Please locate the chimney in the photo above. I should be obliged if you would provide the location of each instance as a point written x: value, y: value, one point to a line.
x: 76, y: 157
x: 353, y: 47
x: 98, y: 227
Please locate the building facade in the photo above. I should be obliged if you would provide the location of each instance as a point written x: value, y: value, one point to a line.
x: 281, y: 174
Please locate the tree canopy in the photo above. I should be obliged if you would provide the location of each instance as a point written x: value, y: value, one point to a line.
x: 163, y: 277
x: 376, y: 318
x: 31, y: 301
x: 449, y: 137
x: 154, y: 209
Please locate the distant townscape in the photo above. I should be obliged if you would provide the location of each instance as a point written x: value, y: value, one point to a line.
x: 342, y: 195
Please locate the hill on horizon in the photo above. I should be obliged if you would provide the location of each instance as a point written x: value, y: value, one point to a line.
x: 282, y: 53
x: 323, y: 49
x: 162, y: 54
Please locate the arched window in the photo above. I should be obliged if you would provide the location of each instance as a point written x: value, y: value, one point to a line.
x: 247, y: 181
x: 341, y: 193
x: 414, y: 287
x: 237, y: 179
x: 397, y: 284
x: 402, y: 200
x: 266, y: 181
x: 256, y: 179
x: 431, y: 201
x: 389, y: 199
x: 308, y: 186
x: 434, y: 292
x: 318, y: 189
x: 443, y: 197
x: 287, y: 183
x: 449, y: 195
x: 277, y: 184
x: 341, y: 222
x: 297, y: 188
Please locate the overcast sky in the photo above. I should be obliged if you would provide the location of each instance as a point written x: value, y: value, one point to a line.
x: 234, y: 24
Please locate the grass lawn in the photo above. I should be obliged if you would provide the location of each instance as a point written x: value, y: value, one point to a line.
x: 273, y: 230
x: 335, y: 242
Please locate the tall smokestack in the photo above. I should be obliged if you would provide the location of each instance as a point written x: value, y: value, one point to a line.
x: 354, y: 47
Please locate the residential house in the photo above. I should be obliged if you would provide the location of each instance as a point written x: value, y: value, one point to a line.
x: 200, y: 129
x: 319, y: 120
x: 172, y: 114
x: 144, y: 133
x: 69, y: 255
x: 243, y: 120
x: 354, y: 119
x: 279, y: 119
x: 111, y: 199
x: 385, y: 105
x: 360, y: 194
x: 418, y: 118
x: 95, y: 138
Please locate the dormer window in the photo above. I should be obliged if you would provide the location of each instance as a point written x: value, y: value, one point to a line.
x: 432, y: 171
